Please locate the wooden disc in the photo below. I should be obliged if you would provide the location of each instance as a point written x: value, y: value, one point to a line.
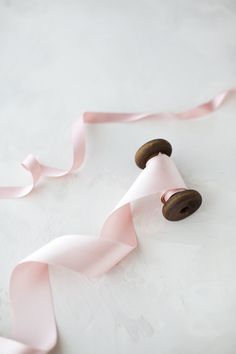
x: 182, y: 204
x: 150, y: 149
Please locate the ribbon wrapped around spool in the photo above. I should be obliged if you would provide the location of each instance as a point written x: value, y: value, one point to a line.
x: 34, y: 323
x: 179, y: 202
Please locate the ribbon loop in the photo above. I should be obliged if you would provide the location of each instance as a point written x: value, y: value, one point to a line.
x: 34, y: 323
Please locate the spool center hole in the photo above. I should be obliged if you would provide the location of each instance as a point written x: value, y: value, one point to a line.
x: 184, y: 210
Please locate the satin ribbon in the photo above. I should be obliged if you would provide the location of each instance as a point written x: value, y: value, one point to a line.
x: 38, y: 170
x: 168, y: 193
x: 34, y: 322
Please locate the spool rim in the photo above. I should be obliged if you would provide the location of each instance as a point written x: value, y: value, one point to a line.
x: 150, y: 149
x: 181, y: 205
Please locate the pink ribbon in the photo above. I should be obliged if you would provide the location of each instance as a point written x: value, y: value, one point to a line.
x: 38, y: 170
x: 34, y: 322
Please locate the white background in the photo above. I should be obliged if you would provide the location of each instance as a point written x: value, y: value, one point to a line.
x: 177, y: 293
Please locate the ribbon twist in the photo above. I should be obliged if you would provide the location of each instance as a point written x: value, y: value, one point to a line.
x: 34, y: 323
x: 38, y: 170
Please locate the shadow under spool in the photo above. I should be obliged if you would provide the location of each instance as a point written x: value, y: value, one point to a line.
x: 181, y: 204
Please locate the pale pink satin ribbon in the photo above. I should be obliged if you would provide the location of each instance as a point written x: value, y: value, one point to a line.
x: 38, y: 170
x: 34, y: 323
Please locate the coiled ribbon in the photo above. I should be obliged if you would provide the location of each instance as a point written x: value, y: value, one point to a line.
x: 34, y: 323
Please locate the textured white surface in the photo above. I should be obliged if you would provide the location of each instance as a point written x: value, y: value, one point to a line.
x: 177, y: 293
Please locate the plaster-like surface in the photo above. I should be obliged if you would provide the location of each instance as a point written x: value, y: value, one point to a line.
x: 177, y: 293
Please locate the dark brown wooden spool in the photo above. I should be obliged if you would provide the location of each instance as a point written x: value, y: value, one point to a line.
x: 181, y: 204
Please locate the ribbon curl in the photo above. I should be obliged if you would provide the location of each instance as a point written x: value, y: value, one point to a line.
x: 34, y: 323
x: 38, y: 170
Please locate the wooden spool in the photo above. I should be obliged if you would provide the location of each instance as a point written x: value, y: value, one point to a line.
x: 181, y: 204
x: 150, y: 149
